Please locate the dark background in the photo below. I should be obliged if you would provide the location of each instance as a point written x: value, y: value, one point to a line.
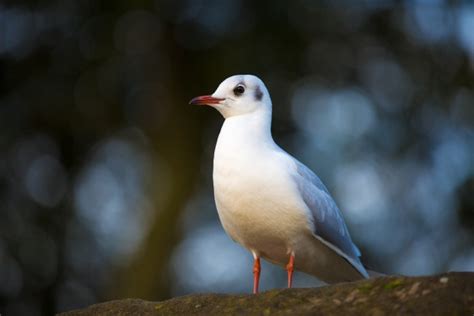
x: 105, y: 170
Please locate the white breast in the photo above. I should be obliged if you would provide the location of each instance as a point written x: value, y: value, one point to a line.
x: 256, y: 199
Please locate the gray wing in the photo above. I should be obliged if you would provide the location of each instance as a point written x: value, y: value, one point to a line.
x: 328, y: 221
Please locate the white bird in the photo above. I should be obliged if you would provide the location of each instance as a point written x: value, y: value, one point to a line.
x: 268, y: 201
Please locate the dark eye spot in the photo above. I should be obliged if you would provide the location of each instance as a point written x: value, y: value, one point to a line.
x: 239, y: 90
x: 258, y: 94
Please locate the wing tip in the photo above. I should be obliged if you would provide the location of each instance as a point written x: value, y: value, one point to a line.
x: 355, y: 262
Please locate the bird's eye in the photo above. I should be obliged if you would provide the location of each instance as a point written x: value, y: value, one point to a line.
x: 239, y: 90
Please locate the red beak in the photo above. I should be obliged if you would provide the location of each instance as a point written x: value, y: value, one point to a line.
x: 205, y: 100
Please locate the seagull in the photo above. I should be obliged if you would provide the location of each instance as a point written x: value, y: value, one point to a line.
x: 268, y: 201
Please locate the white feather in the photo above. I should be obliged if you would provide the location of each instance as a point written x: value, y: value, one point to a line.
x: 268, y: 201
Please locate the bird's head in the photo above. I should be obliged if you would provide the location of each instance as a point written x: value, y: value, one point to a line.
x: 237, y: 95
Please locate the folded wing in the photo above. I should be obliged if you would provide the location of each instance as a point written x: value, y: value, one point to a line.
x: 328, y: 223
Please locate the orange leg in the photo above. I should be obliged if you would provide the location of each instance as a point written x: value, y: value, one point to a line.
x: 256, y: 274
x: 290, y: 267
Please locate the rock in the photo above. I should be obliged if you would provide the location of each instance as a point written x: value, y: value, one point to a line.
x: 447, y: 294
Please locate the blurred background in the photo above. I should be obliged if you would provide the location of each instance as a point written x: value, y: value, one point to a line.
x: 106, y: 171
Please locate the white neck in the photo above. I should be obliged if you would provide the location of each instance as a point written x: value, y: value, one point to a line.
x: 249, y: 127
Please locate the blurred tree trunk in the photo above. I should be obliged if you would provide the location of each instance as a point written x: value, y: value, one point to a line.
x: 176, y: 140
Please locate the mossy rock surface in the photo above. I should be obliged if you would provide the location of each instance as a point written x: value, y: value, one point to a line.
x: 446, y: 294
